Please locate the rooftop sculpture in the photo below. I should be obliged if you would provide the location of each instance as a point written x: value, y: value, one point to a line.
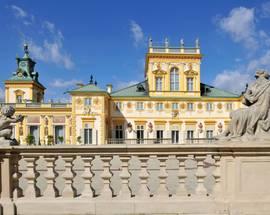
x: 252, y: 122
x: 6, y: 119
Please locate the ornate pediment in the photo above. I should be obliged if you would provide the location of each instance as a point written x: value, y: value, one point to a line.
x: 159, y: 68
x: 159, y: 72
x: 189, y: 71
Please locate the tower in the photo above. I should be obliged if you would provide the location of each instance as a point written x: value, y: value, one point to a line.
x: 23, y: 86
x: 173, y: 71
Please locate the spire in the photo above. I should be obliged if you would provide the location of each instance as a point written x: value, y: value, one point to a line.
x: 26, y: 51
x: 197, y: 43
x: 150, y: 42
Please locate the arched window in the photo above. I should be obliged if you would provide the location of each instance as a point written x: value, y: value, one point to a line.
x: 174, y: 79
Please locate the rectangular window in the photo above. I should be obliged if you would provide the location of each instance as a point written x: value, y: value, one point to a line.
x: 190, y: 106
x: 87, y: 101
x: 59, y: 134
x: 229, y: 106
x: 158, y: 84
x: 119, y: 133
x: 139, y: 106
x: 189, y: 84
x: 34, y: 132
x: 159, y: 106
x: 190, y: 134
x: 209, y: 106
x: 175, y: 136
x: 175, y: 106
x: 209, y: 134
x: 140, y: 134
x: 19, y: 99
x: 88, y: 136
x: 159, y: 136
x: 118, y: 106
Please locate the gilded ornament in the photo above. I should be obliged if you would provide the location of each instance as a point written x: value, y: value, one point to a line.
x: 79, y: 101
x: 96, y: 101
x: 219, y: 106
x: 183, y: 106
x: 200, y: 106
x: 150, y: 105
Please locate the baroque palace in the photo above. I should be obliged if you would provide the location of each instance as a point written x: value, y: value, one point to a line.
x: 170, y: 105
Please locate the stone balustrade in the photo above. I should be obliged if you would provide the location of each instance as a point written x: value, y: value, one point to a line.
x: 136, y: 179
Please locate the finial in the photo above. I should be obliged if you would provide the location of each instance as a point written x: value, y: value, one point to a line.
x: 197, y: 43
x: 95, y: 83
x: 91, y: 79
x: 166, y: 42
x: 25, y: 48
x: 182, y: 44
x: 150, y: 42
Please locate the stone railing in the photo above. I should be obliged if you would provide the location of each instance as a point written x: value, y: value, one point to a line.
x: 136, y: 179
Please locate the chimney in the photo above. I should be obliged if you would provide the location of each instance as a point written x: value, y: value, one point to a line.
x: 109, y: 88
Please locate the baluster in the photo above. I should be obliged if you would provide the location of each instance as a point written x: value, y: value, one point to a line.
x: 50, y: 177
x: 106, y: 175
x: 200, y: 174
x: 217, y: 175
x: 182, y: 175
x: 17, y: 192
x: 30, y: 176
x: 124, y: 175
x: 68, y: 191
x: 143, y: 190
x: 162, y: 190
x: 87, y: 175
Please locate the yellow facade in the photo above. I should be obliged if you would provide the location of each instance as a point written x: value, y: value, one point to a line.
x: 171, y: 104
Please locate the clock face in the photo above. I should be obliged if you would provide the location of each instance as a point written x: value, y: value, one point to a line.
x: 22, y: 64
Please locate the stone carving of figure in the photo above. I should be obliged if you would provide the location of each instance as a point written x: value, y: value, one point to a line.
x: 6, y: 119
x: 252, y: 122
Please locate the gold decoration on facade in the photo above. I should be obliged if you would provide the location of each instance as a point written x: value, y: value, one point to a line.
x: 190, y: 71
x: 129, y: 105
x: 96, y: 101
x: 219, y: 106
x: 167, y: 105
x: 79, y: 101
x: 200, y: 106
x: 149, y: 105
x: 182, y: 106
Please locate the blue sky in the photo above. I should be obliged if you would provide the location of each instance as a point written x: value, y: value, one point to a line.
x: 70, y: 40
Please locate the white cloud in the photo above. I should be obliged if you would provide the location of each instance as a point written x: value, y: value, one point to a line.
x: 18, y: 12
x: 240, y: 25
x: 230, y: 80
x: 137, y: 32
x: 62, y: 84
x: 51, y: 52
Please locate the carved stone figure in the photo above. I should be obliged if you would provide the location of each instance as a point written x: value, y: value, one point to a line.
x: 252, y: 122
x: 6, y: 119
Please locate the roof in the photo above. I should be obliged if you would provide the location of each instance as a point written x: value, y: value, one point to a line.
x: 213, y: 92
x: 136, y: 90
x: 141, y: 90
x: 88, y: 88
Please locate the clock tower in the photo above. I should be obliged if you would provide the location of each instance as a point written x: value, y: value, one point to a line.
x: 24, y: 86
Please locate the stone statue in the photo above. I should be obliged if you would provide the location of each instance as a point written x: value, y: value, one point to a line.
x: 6, y: 119
x: 252, y: 122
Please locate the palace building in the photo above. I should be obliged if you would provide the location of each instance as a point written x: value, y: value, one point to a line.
x: 169, y: 106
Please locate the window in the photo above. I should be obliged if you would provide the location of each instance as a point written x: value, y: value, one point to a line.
x: 209, y: 106
x: 119, y: 134
x: 159, y: 136
x: 140, y: 134
x: 87, y: 101
x: 88, y: 137
x: 209, y: 134
x: 229, y: 106
x: 118, y: 106
x: 19, y: 99
x: 174, y: 79
x: 190, y: 106
x: 175, y: 106
x: 175, y: 136
x: 159, y: 106
x: 190, y: 84
x: 158, y: 84
x: 139, y: 106
x: 190, y: 134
